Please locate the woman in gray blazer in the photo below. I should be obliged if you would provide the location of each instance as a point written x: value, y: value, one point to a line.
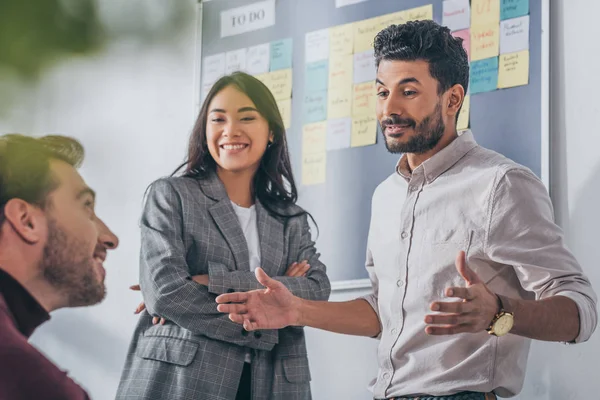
x: 203, y: 233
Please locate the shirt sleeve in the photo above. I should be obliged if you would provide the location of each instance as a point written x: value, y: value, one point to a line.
x: 522, y: 233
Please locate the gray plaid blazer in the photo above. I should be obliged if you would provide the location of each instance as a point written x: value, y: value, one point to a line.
x: 189, y: 227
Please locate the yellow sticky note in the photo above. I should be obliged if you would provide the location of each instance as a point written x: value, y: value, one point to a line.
x: 314, y: 138
x: 485, y: 41
x: 364, y: 34
x: 513, y: 69
x: 386, y: 20
x: 485, y: 12
x: 264, y: 78
x: 314, y: 168
x: 340, y: 71
x: 279, y: 83
x: 419, y: 13
x: 285, y: 109
x: 364, y: 99
x: 341, y: 40
x: 339, y: 102
x: 364, y: 131
x: 463, y: 116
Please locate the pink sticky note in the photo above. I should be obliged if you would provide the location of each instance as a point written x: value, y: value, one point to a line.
x: 465, y: 35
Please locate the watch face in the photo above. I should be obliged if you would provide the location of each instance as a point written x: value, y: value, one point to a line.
x: 503, y: 324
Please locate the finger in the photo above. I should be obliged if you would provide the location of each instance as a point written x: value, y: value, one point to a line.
x: 452, y: 307
x: 135, y: 287
x: 237, y: 318
x: 291, y: 268
x: 449, y: 319
x: 460, y: 292
x: 264, y: 279
x: 233, y: 308
x: 141, y: 307
x: 237, y: 297
x: 154, y: 320
x: 249, y: 325
x: 448, y: 329
x: 162, y: 321
x: 467, y: 273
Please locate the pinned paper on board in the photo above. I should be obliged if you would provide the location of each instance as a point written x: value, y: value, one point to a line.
x: 419, y: 13
x: 340, y: 71
x: 485, y: 12
x: 513, y: 8
x: 364, y: 34
x: 386, y: 20
x: 314, y: 138
x: 456, y: 14
x: 315, y: 106
x: 314, y: 168
x: 485, y: 41
x: 280, y: 84
x: 281, y: 54
x: 258, y: 59
x: 484, y: 75
x: 514, y: 35
x: 341, y: 40
x: 364, y: 131
x: 213, y: 67
x: 364, y: 67
x: 465, y: 35
x: 339, y: 102
x: 339, y: 133
x: 235, y: 61
x: 285, y: 109
x: 317, y: 75
x: 364, y: 99
x: 513, y: 69
x: 316, y: 46
x: 463, y: 115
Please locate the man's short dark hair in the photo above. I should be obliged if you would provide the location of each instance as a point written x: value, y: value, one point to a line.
x: 428, y: 41
x: 25, y: 166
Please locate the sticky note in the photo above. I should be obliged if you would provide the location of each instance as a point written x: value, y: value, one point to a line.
x: 317, y: 76
x: 463, y: 116
x: 485, y: 12
x: 280, y: 84
x: 386, y: 20
x: 364, y: 67
x: 316, y: 46
x: 419, y: 13
x: 364, y: 131
x: 258, y: 59
x: 340, y: 71
x: 339, y: 132
x: 213, y: 67
x: 285, y: 109
x: 364, y: 99
x: 281, y: 54
x: 456, y: 14
x: 364, y: 34
x: 265, y: 78
x: 514, y: 35
x: 339, y: 102
x: 341, y: 40
x: 513, y: 69
x: 314, y: 138
x: 314, y: 168
x: 484, y: 75
x: 513, y: 8
x: 485, y: 41
x: 235, y: 61
x: 315, y: 106
x: 465, y: 35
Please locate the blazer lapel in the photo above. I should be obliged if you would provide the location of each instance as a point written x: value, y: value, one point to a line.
x: 270, y: 234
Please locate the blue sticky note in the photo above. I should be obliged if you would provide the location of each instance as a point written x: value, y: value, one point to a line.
x: 315, y: 106
x: 513, y: 8
x: 484, y: 75
x: 281, y: 54
x: 317, y: 76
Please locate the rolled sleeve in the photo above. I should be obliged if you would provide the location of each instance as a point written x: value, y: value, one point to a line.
x: 588, y: 317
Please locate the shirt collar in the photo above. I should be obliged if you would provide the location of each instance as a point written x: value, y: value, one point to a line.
x: 442, y: 160
x: 27, y: 313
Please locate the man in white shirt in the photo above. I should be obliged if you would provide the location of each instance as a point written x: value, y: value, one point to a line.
x: 466, y: 262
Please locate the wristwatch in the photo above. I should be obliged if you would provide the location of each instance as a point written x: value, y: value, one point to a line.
x: 502, y: 322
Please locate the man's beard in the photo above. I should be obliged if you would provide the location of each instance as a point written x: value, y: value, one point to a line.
x: 427, y: 133
x: 70, y: 269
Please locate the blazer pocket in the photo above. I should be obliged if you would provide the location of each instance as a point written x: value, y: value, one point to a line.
x: 296, y: 369
x: 167, y: 349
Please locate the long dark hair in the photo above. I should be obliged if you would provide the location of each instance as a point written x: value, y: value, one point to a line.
x: 273, y: 184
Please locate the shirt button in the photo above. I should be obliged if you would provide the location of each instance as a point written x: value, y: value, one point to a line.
x: 404, y: 235
x: 386, y: 376
x: 399, y: 283
x: 394, y: 331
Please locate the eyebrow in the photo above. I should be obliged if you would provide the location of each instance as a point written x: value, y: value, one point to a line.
x: 243, y: 109
x: 402, y: 82
x: 85, y: 191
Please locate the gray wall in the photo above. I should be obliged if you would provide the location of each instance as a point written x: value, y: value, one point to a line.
x: 132, y: 107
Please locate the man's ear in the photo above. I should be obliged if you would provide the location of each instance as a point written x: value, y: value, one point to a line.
x: 27, y: 220
x: 455, y: 99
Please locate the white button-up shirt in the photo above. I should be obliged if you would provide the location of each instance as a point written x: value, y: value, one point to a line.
x: 463, y: 198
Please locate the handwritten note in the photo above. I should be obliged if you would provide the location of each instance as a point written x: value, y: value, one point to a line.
x: 419, y: 13
x: 463, y: 116
x: 386, y: 20
x: 364, y: 67
x: 281, y: 54
x: 340, y: 71
x: 514, y: 35
x: 341, y: 40
x: 465, y: 35
x: 456, y: 14
x: 364, y: 34
x: 484, y: 75
x: 513, y: 8
x: 339, y: 132
x: 314, y: 168
x: 484, y: 12
x: 213, y: 68
x: 280, y: 84
x: 314, y: 138
x: 317, y: 46
x: 364, y: 99
x: 285, y: 109
x: 258, y: 59
x: 235, y: 61
x: 485, y: 41
x: 514, y: 69
x: 364, y: 131
x: 317, y: 75
x: 315, y: 106
x: 339, y: 102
